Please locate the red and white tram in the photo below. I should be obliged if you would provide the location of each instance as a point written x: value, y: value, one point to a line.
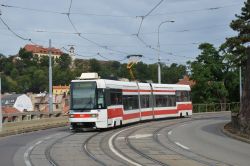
x: 102, y: 103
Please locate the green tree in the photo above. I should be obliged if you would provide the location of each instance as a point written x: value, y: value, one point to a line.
x: 24, y: 83
x: 171, y: 74
x: 142, y: 72
x: 241, y: 55
x: 94, y: 66
x: 8, y: 84
x: 64, y: 61
x: 208, y: 72
x: 153, y: 70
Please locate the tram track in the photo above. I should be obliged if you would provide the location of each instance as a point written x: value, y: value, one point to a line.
x: 209, y: 160
x: 87, y: 151
x: 126, y: 157
x: 105, y: 150
x: 128, y: 142
x: 125, y: 146
x: 48, y: 150
x: 196, y: 157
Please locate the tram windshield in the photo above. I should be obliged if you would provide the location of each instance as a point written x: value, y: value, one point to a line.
x: 83, y: 96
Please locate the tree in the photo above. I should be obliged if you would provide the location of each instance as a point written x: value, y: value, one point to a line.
x: 171, y: 74
x: 142, y: 71
x: 94, y: 65
x: 208, y: 71
x: 64, y: 61
x: 237, y: 46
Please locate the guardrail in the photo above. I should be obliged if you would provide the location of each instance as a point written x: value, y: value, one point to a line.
x: 25, y: 116
x: 216, y: 107
x: 197, y: 108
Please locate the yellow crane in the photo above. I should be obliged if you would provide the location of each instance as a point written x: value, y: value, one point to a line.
x: 132, y: 60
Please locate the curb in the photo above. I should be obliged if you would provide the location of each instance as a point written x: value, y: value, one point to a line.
x: 234, y: 136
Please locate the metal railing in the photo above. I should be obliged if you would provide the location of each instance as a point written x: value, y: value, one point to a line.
x: 25, y: 116
x: 197, y: 108
x: 216, y: 107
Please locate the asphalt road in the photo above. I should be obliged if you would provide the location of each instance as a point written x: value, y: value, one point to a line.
x: 188, y: 141
x: 11, y: 144
x: 204, y: 137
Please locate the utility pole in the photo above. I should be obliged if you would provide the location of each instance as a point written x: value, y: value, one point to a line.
x: 1, y: 116
x: 50, y: 80
x: 240, y: 84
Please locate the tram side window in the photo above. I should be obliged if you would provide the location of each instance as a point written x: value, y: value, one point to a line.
x: 115, y: 97
x: 100, y: 99
x: 130, y: 102
x: 165, y: 100
x: 145, y: 101
x: 182, y: 96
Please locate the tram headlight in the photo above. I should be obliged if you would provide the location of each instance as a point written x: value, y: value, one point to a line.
x: 94, y: 115
x: 71, y: 115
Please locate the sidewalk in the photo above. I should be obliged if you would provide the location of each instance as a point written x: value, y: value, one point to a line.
x: 32, y: 125
x: 231, y: 132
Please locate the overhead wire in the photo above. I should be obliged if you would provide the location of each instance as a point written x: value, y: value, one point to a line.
x: 119, y: 16
x: 195, y: 10
x: 80, y: 35
x: 105, y: 47
x: 94, y: 55
x: 13, y: 32
x: 144, y: 16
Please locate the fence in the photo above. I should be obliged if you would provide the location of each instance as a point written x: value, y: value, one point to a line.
x: 197, y: 108
x: 18, y: 117
x: 216, y: 107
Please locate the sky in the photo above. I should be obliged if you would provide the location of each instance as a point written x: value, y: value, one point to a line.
x: 113, y: 29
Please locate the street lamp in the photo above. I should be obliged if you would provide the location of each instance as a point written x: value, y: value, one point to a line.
x: 158, y: 46
x: 50, y: 80
x: 1, y: 116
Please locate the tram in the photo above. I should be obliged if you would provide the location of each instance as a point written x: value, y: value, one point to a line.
x: 102, y: 103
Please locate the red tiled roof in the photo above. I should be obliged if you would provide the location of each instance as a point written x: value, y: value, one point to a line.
x: 186, y: 81
x: 9, y: 110
x: 40, y: 49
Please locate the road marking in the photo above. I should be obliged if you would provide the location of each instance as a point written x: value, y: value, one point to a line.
x: 182, y: 146
x: 28, y: 151
x: 26, y: 154
x: 170, y: 132
x: 141, y: 136
x: 111, y: 146
x: 137, y: 136
x: 183, y: 125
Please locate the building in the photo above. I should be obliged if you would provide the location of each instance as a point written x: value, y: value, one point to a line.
x: 42, y: 51
x: 60, y: 90
x: 21, y: 102
x: 186, y: 81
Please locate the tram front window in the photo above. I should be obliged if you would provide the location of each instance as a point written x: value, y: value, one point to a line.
x: 83, y: 96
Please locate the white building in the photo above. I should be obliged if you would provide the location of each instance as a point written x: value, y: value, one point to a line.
x: 19, y: 101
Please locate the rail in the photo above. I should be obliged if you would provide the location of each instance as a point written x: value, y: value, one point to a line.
x: 26, y: 116
x: 216, y: 107
x: 197, y: 108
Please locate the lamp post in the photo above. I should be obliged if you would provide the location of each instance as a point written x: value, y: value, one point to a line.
x: 158, y: 46
x: 1, y: 116
x: 50, y: 80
